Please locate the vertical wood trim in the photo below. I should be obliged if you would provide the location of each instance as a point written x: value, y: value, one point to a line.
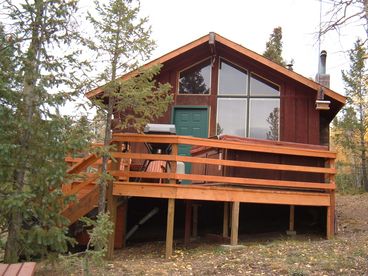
x: 195, y: 221
x: 292, y: 218
x: 225, y: 226
x: 170, y: 227
x: 234, y: 223
x: 188, y: 221
x: 112, y: 205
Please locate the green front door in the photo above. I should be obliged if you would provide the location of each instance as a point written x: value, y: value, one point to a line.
x: 190, y: 121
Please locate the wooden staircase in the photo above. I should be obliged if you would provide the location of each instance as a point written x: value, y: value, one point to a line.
x: 87, y: 193
x: 85, y: 190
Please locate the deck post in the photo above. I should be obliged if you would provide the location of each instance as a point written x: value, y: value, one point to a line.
x: 170, y: 227
x: 234, y: 223
x: 112, y: 204
x: 195, y: 220
x: 330, y: 227
x: 225, y: 226
x: 291, y: 230
x: 120, y: 228
x: 188, y: 221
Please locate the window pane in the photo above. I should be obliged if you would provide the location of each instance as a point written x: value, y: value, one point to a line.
x: 231, y: 116
x: 262, y: 87
x: 196, y: 79
x: 264, y: 118
x: 232, y: 80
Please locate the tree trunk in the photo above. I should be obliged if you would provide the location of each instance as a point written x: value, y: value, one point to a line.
x: 105, y: 159
x: 107, y: 139
x: 26, y: 111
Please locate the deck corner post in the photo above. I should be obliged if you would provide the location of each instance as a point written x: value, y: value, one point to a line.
x: 234, y: 223
x: 170, y: 227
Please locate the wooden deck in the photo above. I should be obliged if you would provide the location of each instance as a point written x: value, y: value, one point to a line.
x: 312, y: 183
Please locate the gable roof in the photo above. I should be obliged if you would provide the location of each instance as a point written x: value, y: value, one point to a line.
x: 242, y: 50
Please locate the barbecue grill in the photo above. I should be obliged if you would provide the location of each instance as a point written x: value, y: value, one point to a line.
x: 166, y: 129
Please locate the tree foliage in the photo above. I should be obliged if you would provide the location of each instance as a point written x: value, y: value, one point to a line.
x: 123, y: 40
x: 34, y: 137
x: 352, y: 128
x: 274, y: 47
x: 345, y: 12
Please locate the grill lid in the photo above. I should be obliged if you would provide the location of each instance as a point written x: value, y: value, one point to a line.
x: 159, y: 129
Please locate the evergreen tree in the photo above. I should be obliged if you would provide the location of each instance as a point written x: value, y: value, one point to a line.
x: 274, y: 122
x: 274, y: 47
x: 34, y: 137
x: 352, y: 127
x: 122, y: 40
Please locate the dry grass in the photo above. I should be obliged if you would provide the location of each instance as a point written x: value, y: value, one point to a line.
x: 347, y: 254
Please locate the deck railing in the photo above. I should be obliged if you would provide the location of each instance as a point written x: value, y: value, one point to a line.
x: 326, y: 171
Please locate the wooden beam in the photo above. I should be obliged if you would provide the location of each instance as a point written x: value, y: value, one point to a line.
x: 195, y: 141
x: 225, y: 226
x: 331, y: 209
x: 170, y: 227
x: 120, y: 228
x: 234, y: 223
x: 222, y: 162
x: 230, y: 180
x: 195, y: 220
x: 196, y: 192
x: 188, y: 221
x: 291, y: 230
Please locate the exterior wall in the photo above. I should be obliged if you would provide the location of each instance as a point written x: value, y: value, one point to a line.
x: 299, y: 120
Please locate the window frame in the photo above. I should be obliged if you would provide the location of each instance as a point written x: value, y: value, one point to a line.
x: 188, y: 67
x: 247, y: 96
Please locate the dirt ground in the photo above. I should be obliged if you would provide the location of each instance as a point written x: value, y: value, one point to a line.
x: 346, y: 254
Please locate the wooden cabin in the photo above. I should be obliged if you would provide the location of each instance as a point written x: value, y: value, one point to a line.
x: 248, y: 131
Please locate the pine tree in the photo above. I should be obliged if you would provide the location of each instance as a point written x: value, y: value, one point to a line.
x: 122, y: 39
x: 352, y: 127
x: 34, y: 137
x: 274, y: 47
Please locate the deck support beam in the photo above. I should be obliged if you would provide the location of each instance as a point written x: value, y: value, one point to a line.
x: 234, y: 223
x: 225, y: 226
x: 291, y: 230
x: 170, y: 227
x: 188, y: 222
x: 120, y: 228
x: 331, y: 217
x: 195, y: 221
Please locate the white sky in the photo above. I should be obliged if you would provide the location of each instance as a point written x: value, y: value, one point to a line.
x: 250, y: 23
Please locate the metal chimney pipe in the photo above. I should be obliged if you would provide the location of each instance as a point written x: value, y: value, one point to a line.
x: 322, y: 62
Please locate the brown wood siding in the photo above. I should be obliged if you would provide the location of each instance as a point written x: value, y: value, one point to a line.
x: 299, y: 120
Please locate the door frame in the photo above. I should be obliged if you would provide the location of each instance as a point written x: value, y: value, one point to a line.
x: 192, y: 107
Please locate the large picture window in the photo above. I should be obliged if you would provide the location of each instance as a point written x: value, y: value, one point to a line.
x: 196, y: 79
x: 247, y: 104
